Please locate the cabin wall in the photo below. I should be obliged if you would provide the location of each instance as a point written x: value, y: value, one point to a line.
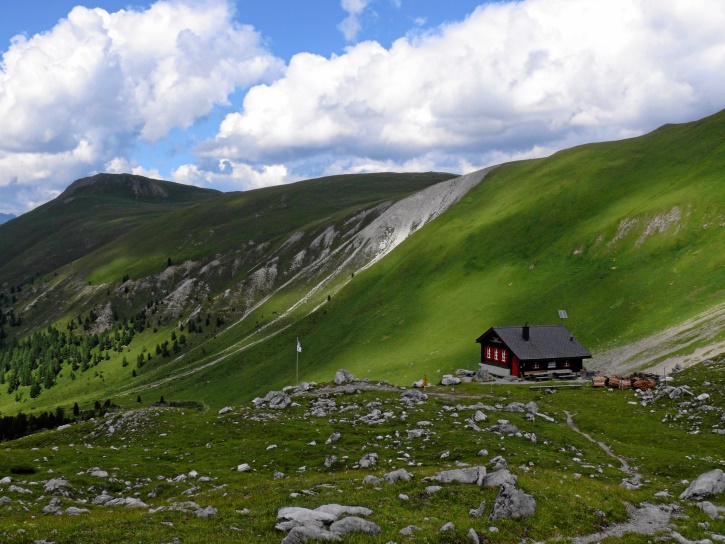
x: 495, y: 354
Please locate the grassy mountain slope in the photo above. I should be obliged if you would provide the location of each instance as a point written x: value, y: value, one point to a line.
x: 88, y: 214
x: 626, y: 236
x: 230, y: 254
x: 233, y: 220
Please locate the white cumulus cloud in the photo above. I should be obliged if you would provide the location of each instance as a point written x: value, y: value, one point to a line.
x: 234, y: 176
x: 513, y: 79
x: 350, y: 26
x: 77, y: 96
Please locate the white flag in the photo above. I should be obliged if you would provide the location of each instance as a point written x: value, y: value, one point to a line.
x: 299, y: 346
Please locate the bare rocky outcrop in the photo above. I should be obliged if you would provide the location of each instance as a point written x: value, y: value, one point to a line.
x: 467, y: 475
x: 706, y: 484
x: 512, y: 503
x: 277, y: 400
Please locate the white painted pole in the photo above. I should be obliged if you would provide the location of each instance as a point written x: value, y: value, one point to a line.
x: 297, y: 366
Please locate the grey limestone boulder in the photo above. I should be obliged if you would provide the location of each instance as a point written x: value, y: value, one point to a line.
x: 515, y: 407
x: 450, y: 380
x: 343, y: 376
x: 334, y: 437
x: 498, y: 478
x: 306, y: 533
x: 354, y: 524
x: 75, y: 511
x: 397, y: 475
x: 478, y: 512
x: 414, y: 395
x: 58, y: 487
x: 369, y: 460
x: 207, y: 512
x: 512, y: 503
x: 277, y: 400
x: 372, y: 480
x: 467, y: 475
x: 706, y: 484
x: 341, y: 510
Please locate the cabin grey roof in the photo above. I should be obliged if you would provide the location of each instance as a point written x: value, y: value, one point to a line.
x: 545, y: 342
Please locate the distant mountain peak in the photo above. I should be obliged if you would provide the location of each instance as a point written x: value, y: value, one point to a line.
x: 5, y: 217
x: 138, y: 186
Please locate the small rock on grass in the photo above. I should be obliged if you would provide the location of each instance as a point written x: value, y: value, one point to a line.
x: 409, y: 530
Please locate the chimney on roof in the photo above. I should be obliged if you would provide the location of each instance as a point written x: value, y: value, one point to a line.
x: 525, y: 332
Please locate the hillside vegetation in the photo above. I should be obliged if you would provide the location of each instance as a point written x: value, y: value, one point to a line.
x: 627, y: 236
x: 88, y: 214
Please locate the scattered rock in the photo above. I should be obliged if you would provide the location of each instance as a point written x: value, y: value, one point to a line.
x: 709, y: 483
x: 75, y: 511
x: 515, y: 407
x: 478, y: 512
x: 372, y: 480
x: 244, y: 467
x: 369, y: 460
x: 432, y: 489
x: 340, y: 510
x: 512, y: 503
x: 334, y: 437
x: 331, y: 460
x: 473, y: 537
x: 207, y: 512
x: 450, y: 380
x: 58, y: 487
x: 354, y: 524
x: 53, y: 507
x: 397, y: 475
x: 409, y: 530
x: 448, y: 527
x: 498, y: 478
x: 276, y: 400
x: 225, y: 410
x: 468, y: 475
x: 343, y: 376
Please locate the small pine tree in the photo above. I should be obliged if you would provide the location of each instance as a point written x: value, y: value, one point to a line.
x: 133, y: 373
x: 76, y: 409
x: 426, y: 383
x: 138, y: 399
x: 168, y: 261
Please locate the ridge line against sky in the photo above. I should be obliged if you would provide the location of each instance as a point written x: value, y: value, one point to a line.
x: 240, y: 95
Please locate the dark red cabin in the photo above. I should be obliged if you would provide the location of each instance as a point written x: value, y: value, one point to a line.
x: 515, y: 351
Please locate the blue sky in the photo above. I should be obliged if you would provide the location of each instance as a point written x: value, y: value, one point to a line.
x: 240, y: 95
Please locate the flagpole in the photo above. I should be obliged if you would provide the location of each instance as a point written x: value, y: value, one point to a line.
x: 297, y: 365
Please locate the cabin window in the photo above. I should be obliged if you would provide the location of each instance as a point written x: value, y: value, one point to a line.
x: 503, y: 355
x: 488, y: 352
x: 495, y: 354
x: 535, y: 366
x: 567, y: 364
x: 552, y: 364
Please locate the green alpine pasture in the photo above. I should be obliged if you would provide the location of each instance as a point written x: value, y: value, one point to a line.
x: 575, y: 483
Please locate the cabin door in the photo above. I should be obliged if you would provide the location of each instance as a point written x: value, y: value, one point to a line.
x: 515, y: 366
